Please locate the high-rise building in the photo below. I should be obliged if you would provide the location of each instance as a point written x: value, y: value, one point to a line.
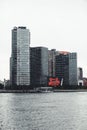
x: 51, y: 63
x: 80, y: 73
x: 80, y: 76
x: 66, y: 68
x: 73, y: 69
x: 20, y: 57
x: 62, y: 68
x: 38, y: 66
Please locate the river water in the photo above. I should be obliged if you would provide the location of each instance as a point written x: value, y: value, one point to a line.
x: 43, y: 111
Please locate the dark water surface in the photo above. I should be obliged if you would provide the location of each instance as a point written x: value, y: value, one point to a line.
x: 43, y: 111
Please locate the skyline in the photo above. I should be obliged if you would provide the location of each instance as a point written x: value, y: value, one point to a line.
x: 53, y: 24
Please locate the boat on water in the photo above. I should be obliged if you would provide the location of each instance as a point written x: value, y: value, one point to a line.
x: 44, y: 89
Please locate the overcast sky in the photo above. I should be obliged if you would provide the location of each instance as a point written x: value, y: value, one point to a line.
x: 56, y: 24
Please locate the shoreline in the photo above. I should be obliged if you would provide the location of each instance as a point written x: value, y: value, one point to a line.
x: 71, y: 90
x: 41, y: 91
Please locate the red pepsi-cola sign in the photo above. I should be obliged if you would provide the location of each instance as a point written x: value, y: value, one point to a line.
x: 54, y: 82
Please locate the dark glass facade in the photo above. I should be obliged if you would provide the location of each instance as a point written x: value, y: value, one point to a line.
x: 62, y: 68
x: 66, y: 68
x: 38, y: 66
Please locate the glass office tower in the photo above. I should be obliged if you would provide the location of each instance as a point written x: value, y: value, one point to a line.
x: 39, y: 66
x: 66, y: 68
x: 20, y: 57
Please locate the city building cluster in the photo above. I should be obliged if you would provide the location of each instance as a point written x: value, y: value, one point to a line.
x: 38, y: 66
